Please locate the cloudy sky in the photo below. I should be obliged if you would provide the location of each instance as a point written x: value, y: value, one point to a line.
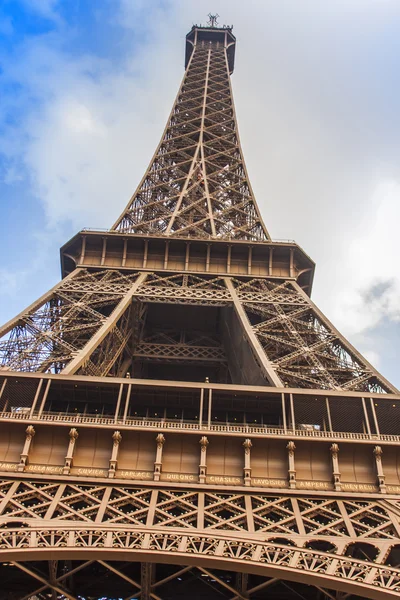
x: 86, y: 88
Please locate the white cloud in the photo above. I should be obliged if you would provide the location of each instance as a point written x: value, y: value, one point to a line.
x: 373, y: 357
x: 369, y: 277
x: 45, y: 8
x: 317, y: 111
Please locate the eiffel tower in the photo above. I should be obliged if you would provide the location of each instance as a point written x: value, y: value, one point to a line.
x: 177, y: 418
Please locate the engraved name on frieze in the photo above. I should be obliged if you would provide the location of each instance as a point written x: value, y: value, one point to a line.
x: 135, y: 474
x: 44, y: 469
x: 224, y: 479
x: 4, y: 466
x: 87, y: 471
x: 178, y: 477
x: 260, y: 482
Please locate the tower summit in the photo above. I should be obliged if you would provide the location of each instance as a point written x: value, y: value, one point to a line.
x: 197, y: 184
x: 177, y: 417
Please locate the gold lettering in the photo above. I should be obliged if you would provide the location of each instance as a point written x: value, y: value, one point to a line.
x: 315, y: 485
x: 95, y: 472
x: 7, y: 466
x: 359, y: 487
x: 43, y: 469
x: 178, y: 477
x: 269, y: 482
x: 223, y: 479
x: 135, y: 474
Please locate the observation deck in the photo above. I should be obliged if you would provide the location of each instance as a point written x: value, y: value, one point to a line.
x: 214, y: 35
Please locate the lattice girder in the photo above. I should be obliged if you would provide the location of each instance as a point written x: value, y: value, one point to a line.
x: 196, y: 184
x: 302, y: 345
x: 297, y: 341
x: 48, y: 337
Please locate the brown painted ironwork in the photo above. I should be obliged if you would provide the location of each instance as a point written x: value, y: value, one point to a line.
x: 177, y: 417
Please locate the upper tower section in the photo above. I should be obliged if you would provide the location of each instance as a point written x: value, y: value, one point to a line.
x: 196, y: 185
x: 210, y: 34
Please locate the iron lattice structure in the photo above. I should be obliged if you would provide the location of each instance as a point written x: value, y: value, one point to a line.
x: 177, y: 417
x: 197, y: 184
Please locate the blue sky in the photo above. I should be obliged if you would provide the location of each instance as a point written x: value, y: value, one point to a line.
x: 85, y: 90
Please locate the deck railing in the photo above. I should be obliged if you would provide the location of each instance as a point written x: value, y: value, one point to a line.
x: 160, y: 424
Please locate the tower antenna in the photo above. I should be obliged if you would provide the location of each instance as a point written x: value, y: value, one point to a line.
x: 213, y: 20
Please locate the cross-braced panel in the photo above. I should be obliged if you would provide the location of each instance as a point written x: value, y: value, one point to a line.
x: 302, y: 346
x: 171, y: 345
x: 196, y: 184
x: 107, y: 358
x: 48, y: 337
x: 276, y: 516
x: 98, y: 579
x: 354, y: 540
x: 184, y: 289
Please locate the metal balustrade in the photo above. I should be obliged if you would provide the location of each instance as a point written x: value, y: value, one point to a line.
x: 187, y: 425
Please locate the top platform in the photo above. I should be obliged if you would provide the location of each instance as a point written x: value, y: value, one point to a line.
x: 223, y: 35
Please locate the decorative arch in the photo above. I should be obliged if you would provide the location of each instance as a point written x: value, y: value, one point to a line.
x: 393, y: 557
x: 220, y: 551
x: 321, y: 546
x: 362, y: 551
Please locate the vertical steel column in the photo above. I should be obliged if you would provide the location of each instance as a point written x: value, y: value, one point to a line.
x: 209, y: 408
x: 116, y: 415
x: 374, y: 416
x: 39, y: 387
x: 366, y: 416
x: 43, y: 402
x: 201, y: 408
x: 328, y: 412
x: 292, y: 412
x: 283, y: 401
x: 127, y: 400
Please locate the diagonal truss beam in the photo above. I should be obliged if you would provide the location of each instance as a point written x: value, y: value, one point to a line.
x: 257, y: 349
x: 7, y: 327
x: 344, y: 342
x: 197, y: 184
x: 54, y: 586
x: 83, y: 355
x: 223, y: 583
